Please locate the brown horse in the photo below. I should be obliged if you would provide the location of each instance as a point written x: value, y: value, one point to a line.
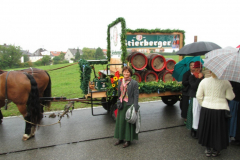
x: 23, y: 91
x: 43, y: 82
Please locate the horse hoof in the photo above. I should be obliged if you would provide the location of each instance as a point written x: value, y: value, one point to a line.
x: 25, y: 137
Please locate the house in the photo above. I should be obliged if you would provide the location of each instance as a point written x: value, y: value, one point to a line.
x: 25, y: 52
x: 104, y: 52
x: 38, y: 54
x: 71, y: 53
x: 56, y: 53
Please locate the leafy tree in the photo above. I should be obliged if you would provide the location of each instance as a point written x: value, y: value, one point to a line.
x: 10, y: 56
x: 77, y: 55
x: 56, y: 60
x: 25, y: 58
x: 46, y: 60
x: 62, y: 56
x: 88, y: 53
x: 99, y: 53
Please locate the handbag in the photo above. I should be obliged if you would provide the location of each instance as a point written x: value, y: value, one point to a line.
x: 131, y: 115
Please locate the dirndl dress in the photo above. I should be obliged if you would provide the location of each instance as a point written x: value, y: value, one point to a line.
x: 124, y: 130
x: 213, y: 129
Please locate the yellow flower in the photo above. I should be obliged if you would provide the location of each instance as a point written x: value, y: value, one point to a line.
x: 113, y: 85
x: 115, y: 78
x: 121, y: 77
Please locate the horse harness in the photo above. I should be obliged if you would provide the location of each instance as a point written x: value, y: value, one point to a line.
x: 6, y: 97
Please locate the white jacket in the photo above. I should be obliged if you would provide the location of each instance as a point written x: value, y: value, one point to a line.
x: 213, y: 93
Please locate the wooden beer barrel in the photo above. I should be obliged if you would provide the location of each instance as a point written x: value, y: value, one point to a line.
x: 170, y: 63
x: 168, y: 77
x: 160, y: 74
x: 138, y: 60
x: 138, y: 76
x: 149, y: 75
x: 156, y: 62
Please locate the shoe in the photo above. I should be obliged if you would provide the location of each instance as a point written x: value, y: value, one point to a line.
x: 236, y: 142
x: 215, y: 153
x: 126, y: 144
x: 118, y: 142
x: 208, y: 152
x: 194, y: 134
x: 185, y: 122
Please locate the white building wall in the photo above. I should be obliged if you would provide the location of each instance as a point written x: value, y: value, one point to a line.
x: 34, y: 58
x: 68, y: 55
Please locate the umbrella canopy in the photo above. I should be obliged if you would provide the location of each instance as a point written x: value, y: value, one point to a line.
x: 238, y: 46
x: 197, y: 48
x: 183, y: 66
x: 225, y: 63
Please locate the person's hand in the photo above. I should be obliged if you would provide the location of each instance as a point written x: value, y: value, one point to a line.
x: 200, y: 75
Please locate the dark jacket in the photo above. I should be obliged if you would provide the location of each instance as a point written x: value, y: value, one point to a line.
x: 133, y: 93
x: 185, y: 83
x: 236, y: 90
x: 194, y: 82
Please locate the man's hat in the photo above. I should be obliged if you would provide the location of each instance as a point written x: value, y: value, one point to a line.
x: 197, y: 64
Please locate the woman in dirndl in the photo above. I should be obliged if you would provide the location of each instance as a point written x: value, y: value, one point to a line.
x: 212, y: 94
x: 194, y: 107
x: 128, y: 93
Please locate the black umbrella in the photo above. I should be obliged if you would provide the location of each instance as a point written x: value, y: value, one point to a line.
x: 197, y: 48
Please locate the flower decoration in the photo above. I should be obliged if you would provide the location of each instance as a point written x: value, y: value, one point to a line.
x: 121, y: 77
x: 113, y: 84
x: 115, y: 78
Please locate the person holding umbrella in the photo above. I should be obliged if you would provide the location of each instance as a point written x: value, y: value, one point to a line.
x: 212, y: 94
x: 194, y: 107
x: 185, y: 91
x: 234, y: 105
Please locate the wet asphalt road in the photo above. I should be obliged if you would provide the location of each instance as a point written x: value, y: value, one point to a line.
x: 83, y: 136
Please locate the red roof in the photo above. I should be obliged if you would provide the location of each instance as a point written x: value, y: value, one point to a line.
x: 56, y: 53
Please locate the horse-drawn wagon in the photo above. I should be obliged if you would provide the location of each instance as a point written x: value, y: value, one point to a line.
x: 139, y: 49
x: 125, y: 47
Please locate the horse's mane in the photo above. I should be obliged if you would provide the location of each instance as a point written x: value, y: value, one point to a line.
x: 1, y: 71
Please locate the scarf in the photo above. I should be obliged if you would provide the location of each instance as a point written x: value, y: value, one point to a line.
x: 123, y: 89
x: 196, y: 74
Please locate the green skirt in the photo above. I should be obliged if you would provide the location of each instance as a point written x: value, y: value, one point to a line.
x: 190, y: 114
x: 123, y: 129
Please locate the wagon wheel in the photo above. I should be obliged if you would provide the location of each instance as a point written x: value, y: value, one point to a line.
x: 105, y: 105
x: 113, y: 110
x: 170, y: 100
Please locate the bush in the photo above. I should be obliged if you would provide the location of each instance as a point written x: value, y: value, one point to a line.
x: 37, y: 63
x: 65, y: 61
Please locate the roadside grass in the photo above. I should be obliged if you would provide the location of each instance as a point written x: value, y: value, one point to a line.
x: 66, y: 83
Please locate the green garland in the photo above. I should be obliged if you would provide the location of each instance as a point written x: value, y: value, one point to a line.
x: 140, y: 30
x: 85, y: 74
x: 123, y: 38
x: 157, y: 30
x: 158, y: 87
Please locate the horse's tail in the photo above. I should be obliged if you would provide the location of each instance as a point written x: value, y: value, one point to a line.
x: 33, y: 103
x: 47, y: 92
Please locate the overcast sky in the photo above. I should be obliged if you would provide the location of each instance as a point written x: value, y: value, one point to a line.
x: 57, y: 25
